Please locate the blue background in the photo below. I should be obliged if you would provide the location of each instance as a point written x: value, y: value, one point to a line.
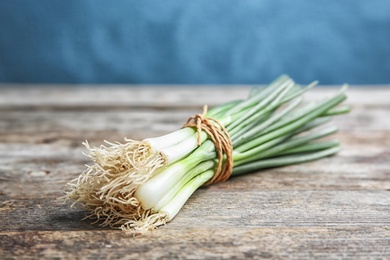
x: 194, y: 42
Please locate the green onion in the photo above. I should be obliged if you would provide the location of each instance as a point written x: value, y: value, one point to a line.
x: 140, y: 185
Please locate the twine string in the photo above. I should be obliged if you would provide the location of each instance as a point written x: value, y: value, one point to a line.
x: 221, y: 139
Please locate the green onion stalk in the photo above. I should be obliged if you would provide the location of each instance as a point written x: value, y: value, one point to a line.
x: 140, y: 185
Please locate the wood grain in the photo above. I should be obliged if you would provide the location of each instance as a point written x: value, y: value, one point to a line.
x: 337, y: 207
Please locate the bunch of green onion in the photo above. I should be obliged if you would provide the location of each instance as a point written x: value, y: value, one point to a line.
x: 140, y: 185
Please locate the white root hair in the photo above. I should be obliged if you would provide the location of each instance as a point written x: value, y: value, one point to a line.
x: 106, y: 188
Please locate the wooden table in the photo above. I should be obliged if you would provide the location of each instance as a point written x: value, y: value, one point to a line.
x: 338, y: 207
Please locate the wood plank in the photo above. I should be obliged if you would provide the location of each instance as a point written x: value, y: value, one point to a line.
x: 41, y: 170
x: 211, y: 208
x: 93, y: 97
x: 200, y: 243
x: 50, y: 126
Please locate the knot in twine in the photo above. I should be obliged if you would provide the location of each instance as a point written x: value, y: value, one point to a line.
x: 221, y: 139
